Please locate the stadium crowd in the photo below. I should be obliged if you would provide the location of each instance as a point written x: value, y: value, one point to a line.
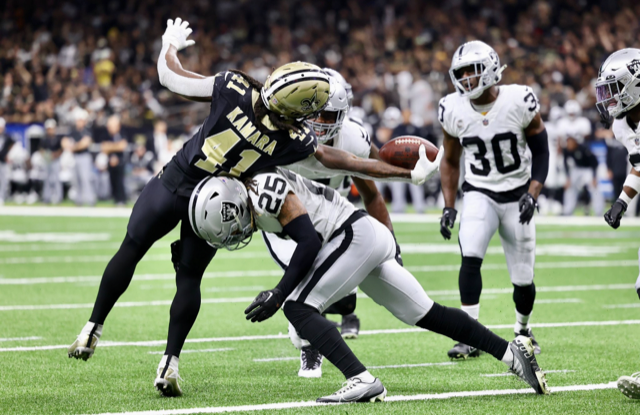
x: 89, y: 76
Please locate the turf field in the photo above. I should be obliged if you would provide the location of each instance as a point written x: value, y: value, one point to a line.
x: 586, y: 319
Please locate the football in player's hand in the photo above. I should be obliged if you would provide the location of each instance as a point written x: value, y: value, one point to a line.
x: 403, y: 151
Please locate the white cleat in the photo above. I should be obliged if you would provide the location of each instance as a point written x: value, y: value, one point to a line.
x: 526, y: 366
x: 86, y: 342
x: 167, y: 378
x: 310, y: 363
x: 630, y: 386
x: 355, y: 390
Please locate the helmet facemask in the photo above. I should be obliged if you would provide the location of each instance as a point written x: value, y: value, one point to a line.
x: 327, y: 129
x: 482, y: 61
x: 613, y: 99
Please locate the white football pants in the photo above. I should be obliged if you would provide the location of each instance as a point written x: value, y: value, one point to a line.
x: 481, y: 217
x: 580, y: 177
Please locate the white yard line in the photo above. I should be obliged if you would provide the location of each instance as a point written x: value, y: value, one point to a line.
x: 276, y: 359
x: 93, y: 212
x: 412, y: 365
x: 153, y: 343
x: 16, y: 339
x: 632, y: 305
x: 224, y: 349
x: 495, y: 375
x: 54, y: 259
x: 436, y: 294
x: 397, y: 398
x: 278, y: 273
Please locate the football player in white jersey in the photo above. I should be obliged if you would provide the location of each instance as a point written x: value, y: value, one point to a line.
x: 338, y: 248
x: 506, y: 163
x: 618, y: 96
x: 334, y: 128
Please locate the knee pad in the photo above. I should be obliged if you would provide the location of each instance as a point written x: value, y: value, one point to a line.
x: 524, y: 296
x: 470, y: 280
x: 344, y: 306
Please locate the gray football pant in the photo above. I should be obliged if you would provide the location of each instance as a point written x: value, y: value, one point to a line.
x: 482, y: 217
x: 580, y: 177
x: 4, y: 181
x: 83, y: 179
x: 364, y: 257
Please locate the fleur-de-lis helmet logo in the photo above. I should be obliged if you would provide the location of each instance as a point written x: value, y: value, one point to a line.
x: 310, y: 103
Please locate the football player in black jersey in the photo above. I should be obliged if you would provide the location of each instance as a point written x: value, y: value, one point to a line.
x: 251, y: 127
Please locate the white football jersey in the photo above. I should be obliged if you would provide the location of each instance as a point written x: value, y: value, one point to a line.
x: 496, y: 154
x: 354, y: 139
x: 630, y: 139
x: 578, y: 128
x: 327, y: 209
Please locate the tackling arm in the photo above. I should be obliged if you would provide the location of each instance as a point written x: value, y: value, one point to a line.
x: 190, y: 85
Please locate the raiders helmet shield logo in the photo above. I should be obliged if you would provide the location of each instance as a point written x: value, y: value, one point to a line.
x: 310, y: 103
x: 634, y: 67
x: 229, y: 211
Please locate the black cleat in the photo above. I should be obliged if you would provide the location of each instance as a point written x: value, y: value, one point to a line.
x: 463, y: 351
x: 350, y: 326
x: 526, y: 366
x: 527, y: 333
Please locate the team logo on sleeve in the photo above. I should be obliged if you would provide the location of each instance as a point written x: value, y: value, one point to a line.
x: 229, y: 211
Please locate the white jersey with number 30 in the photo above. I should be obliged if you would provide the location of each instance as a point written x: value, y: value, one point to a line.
x: 327, y: 209
x: 496, y: 154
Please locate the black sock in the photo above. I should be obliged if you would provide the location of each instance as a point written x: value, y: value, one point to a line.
x: 184, y: 309
x: 457, y: 324
x: 638, y: 288
x: 345, y: 306
x: 524, y: 297
x: 470, y: 280
x: 324, y: 337
x: 116, y: 278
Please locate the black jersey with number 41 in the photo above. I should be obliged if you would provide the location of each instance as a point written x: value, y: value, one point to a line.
x: 229, y: 140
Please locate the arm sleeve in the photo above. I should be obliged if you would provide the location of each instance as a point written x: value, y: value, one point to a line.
x: 189, y: 87
x: 539, y: 145
x: 302, y: 231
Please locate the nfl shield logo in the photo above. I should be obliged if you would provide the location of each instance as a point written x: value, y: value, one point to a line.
x: 637, y: 141
x: 485, y: 122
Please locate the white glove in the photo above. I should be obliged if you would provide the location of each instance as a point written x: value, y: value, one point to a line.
x: 177, y: 33
x: 424, y: 168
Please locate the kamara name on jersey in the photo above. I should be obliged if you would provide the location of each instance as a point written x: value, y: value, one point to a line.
x: 249, y: 132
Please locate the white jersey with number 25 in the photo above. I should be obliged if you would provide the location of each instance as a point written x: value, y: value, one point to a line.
x: 495, y: 148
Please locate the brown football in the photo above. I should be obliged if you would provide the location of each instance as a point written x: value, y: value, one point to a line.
x: 403, y: 151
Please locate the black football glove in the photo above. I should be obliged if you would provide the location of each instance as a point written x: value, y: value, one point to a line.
x: 266, y: 304
x: 398, y: 253
x: 527, y: 205
x: 613, y: 215
x: 447, y: 221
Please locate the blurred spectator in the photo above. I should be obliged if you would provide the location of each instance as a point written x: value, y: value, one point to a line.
x: 551, y: 198
x: 51, y: 150
x: 398, y: 189
x: 142, y: 167
x: 161, y: 145
x: 80, y: 138
x: 114, y: 146
x: 581, y: 167
x: 6, y: 142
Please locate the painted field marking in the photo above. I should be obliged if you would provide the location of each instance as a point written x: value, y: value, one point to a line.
x: 557, y: 300
x: 412, y: 365
x: 15, y: 339
x: 632, y: 305
x: 153, y: 343
x: 495, y: 375
x: 276, y: 359
x: 224, y: 349
x: 278, y: 273
x: 397, y: 398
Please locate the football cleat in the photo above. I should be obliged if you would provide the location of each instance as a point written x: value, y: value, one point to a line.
x: 167, y: 379
x: 350, y: 326
x: 463, y: 351
x: 310, y: 363
x: 630, y: 385
x: 355, y: 390
x: 528, y: 333
x: 526, y: 366
x: 86, y: 342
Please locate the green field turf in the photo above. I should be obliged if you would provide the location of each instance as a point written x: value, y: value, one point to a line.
x: 582, y: 274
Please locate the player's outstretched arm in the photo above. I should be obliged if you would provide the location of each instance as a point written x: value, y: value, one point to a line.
x: 296, y: 223
x: 538, y: 143
x: 371, y: 169
x: 449, y: 176
x: 630, y: 189
x: 190, y: 85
